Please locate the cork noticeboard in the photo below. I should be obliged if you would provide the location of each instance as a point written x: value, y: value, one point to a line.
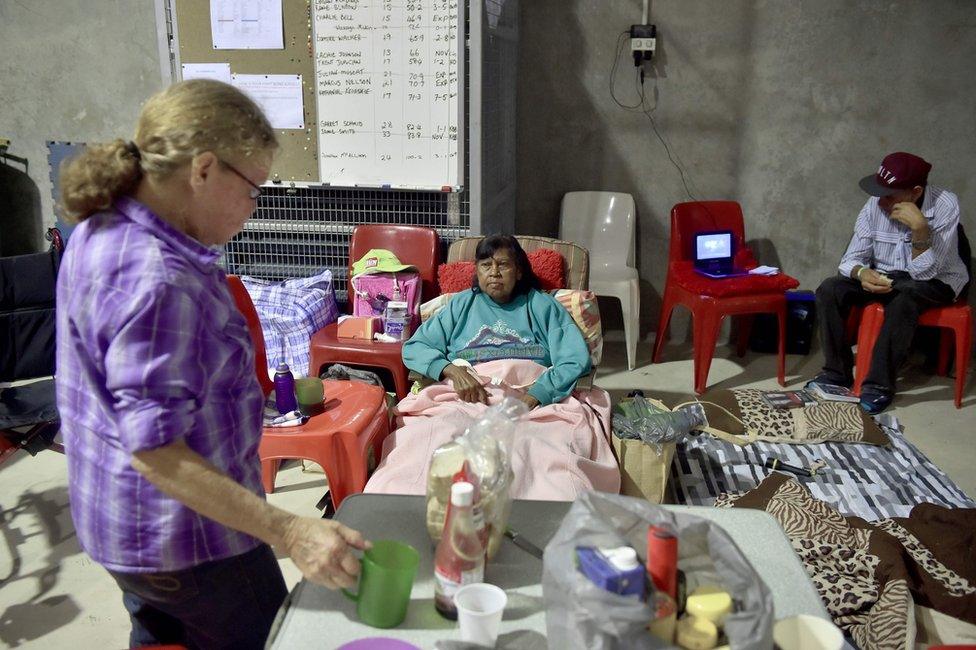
x: 381, y: 84
x: 297, y: 159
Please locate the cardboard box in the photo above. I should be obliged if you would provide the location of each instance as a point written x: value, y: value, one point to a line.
x: 360, y: 327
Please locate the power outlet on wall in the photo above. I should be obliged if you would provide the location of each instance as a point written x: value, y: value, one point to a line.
x: 643, y: 40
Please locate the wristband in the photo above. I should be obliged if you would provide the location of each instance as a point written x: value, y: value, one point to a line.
x: 921, y: 245
x: 859, y: 272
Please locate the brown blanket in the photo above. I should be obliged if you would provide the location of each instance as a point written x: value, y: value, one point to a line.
x: 880, y: 581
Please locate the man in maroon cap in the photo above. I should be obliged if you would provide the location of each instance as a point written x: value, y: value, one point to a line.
x: 905, y: 255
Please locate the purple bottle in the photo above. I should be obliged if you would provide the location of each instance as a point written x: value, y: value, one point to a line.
x: 284, y: 383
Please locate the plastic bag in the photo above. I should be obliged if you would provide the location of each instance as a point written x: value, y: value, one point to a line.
x: 290, y: 313
x: 482, y: 456
x: 580, y: 614
x: 649, y: 420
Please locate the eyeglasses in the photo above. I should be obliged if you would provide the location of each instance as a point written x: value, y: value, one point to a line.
x: 256, y: 191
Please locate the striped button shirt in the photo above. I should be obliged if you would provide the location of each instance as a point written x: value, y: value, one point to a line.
x: 151, y: 349
x: 886, y: 245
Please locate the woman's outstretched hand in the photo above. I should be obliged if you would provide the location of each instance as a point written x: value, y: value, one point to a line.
x: 468, y: 388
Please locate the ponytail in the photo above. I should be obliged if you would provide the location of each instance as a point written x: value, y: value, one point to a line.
x: 91, y: 181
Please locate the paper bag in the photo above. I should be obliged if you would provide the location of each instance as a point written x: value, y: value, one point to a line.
x: 643, y: 471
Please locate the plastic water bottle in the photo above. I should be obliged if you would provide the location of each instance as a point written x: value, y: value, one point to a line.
x: 284, y: 383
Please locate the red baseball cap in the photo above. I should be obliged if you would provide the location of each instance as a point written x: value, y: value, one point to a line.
x: 898, y: 171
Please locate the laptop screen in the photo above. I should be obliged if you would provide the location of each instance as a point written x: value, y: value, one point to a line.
x: 712, y: 246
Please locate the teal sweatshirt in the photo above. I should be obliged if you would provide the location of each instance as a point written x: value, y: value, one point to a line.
x: 532, y: 326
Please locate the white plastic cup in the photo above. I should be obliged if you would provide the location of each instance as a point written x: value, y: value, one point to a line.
x: 480, y: 607
x: 805, y: 632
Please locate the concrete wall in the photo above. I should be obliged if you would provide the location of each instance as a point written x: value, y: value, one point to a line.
x: 71, y: 70
x: 779, y: 105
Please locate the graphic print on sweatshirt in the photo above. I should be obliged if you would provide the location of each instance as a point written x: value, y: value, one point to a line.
x: 500, y: 341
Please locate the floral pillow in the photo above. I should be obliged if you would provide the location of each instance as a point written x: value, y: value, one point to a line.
x: 582, y: 306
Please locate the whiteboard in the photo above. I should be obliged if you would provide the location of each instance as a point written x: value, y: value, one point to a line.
x: 389, y: 93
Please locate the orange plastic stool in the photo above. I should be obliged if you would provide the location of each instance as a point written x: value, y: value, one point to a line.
x: 342, y: 439
x: 957, y: 317
x: 327, y: 348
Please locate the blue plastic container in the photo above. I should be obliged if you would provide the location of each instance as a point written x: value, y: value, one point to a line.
x: 616, y: 570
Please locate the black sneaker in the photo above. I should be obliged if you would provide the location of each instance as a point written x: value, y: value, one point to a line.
x: 829, y: 378
x: 874, y: 400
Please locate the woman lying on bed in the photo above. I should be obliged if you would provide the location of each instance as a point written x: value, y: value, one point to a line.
x: 504, y: 337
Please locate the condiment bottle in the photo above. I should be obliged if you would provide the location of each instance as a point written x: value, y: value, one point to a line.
x: 460, y: 556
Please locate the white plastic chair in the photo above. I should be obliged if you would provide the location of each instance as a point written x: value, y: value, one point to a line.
x: 605, y: 223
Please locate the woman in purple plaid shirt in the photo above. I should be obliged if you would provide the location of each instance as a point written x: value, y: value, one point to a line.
x: 160, y: 407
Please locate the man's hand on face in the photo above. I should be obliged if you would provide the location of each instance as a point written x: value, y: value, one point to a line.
x: 874, y: 282
x: 909, y: 214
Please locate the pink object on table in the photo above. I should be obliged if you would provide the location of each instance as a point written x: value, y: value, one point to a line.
x: 378, y: 643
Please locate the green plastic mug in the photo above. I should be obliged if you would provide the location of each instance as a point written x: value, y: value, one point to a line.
x: 385, y: 580
x: 310, y: 392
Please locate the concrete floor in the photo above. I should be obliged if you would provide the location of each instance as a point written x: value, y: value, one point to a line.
x: 53, y: 596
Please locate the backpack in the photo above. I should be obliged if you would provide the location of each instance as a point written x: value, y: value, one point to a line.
x: 372, y: 291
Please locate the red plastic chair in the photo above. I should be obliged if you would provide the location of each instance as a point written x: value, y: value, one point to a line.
x: 343, y: 439
x: 957, y: 317
x: 412, y: 245
x: 709, y: 310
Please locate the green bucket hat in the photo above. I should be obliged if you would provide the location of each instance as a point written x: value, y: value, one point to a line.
x: 379, y: 260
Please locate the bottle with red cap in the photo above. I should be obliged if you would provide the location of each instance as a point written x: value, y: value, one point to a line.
x: 460, y: 556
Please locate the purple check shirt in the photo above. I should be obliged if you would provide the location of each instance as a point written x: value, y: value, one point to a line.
x: 151, y: 349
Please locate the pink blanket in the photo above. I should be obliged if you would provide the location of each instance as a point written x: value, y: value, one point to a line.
x: 559, y: 451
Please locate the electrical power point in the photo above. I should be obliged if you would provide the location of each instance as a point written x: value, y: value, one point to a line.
x: 643, y: 40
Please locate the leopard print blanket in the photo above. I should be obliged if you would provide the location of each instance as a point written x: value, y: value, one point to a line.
x: 871, y: 576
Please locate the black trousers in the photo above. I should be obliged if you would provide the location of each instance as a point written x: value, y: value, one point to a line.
x: 229, y: 603
x: 903, y: 305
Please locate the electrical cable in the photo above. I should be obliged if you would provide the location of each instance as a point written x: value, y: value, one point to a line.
x: 641, y: 106
x: 613, y: 74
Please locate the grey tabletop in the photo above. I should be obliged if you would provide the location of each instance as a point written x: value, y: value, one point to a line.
x: 313, y: 616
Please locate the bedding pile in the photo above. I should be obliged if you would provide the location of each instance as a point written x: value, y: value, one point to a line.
x: 890, y: 583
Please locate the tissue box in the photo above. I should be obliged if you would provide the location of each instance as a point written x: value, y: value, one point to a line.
x: 360, y: 327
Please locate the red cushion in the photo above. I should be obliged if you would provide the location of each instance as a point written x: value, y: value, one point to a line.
x: 454, y: 277
x: 685, y: 276
x: 547, y: 264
